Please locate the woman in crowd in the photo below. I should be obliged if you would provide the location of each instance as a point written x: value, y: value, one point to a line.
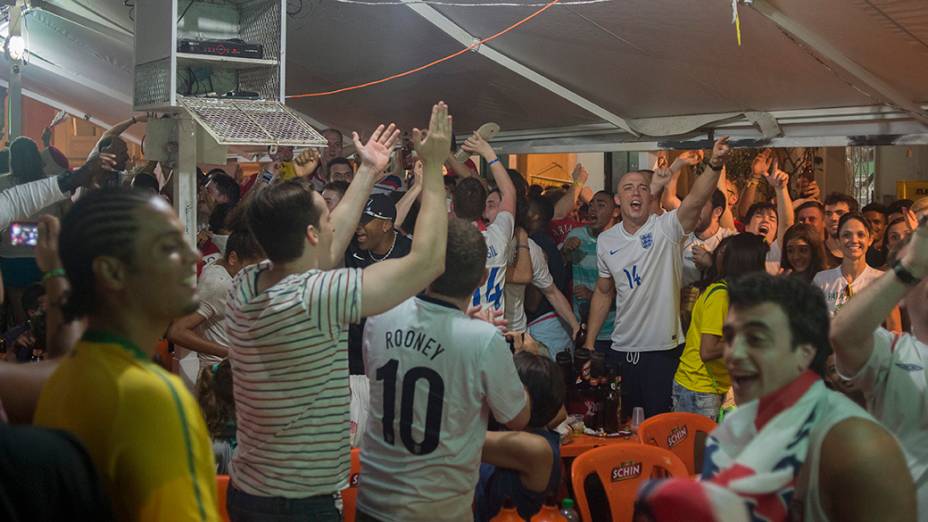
x: 853, y: 275
x: 804, y: 255
x: 702, y: 381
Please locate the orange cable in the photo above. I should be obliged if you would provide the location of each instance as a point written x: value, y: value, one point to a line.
x: 430, y: 64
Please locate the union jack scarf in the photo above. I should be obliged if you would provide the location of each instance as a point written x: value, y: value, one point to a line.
x: 752, y: 462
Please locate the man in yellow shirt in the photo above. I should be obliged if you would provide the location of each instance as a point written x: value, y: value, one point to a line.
x: 131, y: 272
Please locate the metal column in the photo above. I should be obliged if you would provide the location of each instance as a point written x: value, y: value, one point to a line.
x: 185, y: 176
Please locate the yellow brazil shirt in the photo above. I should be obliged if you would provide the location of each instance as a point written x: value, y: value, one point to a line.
x: 708, y: 318
x: 142, y: 428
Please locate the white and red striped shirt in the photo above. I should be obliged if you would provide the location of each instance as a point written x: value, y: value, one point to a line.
x: 288, y: 348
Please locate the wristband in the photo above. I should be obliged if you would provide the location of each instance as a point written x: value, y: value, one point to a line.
x: 903, y: 274
x: 713, y: 167
x: 53, y: 273
x: 490, y: 164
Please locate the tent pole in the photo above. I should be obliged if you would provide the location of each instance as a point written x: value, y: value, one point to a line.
x: 16, y: 100
x: 820, y: 46
x: 466, y: 39
x: 185, y: 176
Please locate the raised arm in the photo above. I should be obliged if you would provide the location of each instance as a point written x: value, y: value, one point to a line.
x: 388, y: 283
x: 569, y: 200
x: 669, y: 198
x: 786, y: 215
x: 759, y: 168
x: 727, y: 219
x: 123, y: 126
x: 507, y: 191
x: 345, y: 217
x: 412, y: 194
x: 24, y: 200
x: 853, y: 327
x: 689, y: 210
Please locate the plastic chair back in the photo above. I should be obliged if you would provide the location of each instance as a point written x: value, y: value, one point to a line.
x: 622, y: 469
x: 222, y: 492
x: 677, y: 432
x: 350, y: 494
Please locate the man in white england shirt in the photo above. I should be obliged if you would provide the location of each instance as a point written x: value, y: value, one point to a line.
x: 468, y: 201
x: 891, y: 369
x: 640, y: 262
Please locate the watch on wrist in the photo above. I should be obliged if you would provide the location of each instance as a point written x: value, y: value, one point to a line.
x: 904, y: 275
x: 713, y: 167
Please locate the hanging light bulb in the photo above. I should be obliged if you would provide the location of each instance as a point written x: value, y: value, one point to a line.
x: 16, y: 47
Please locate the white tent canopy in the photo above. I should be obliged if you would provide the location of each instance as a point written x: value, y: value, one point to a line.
x: 612, y: 75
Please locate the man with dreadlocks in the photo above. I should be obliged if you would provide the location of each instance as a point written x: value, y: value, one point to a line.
x: 132, y: 272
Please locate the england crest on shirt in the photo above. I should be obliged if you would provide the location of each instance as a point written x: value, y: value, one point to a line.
x: 647, y: 240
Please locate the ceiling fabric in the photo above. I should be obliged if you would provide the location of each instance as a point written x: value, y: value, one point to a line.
x: 671, y: 69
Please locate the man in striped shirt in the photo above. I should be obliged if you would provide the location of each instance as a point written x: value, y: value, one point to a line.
x: 287, y: 323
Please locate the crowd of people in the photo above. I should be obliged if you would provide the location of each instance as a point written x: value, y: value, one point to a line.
x: 382, y: 294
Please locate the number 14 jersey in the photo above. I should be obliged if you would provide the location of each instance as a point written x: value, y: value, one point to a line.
x: 435, y: 375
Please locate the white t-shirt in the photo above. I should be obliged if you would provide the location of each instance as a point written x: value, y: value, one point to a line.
x: 772, y: 261
x: 895, y: 384
x: 647, y: 268
x: 515, y: 294
x: 213, y: 288
x: 498, y: 236
x: 835, y: 287
x: 691, y: 273
x: 435, y: 375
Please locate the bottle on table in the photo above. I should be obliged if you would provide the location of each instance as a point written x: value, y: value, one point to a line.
x: 612, y: 406
x: 568, y: 512
x: 549, y: 512
x: 507, y: 513
x: 596, y: 393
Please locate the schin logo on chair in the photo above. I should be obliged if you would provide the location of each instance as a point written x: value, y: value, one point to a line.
x: 353, y: 480
x: 626, y: 470
x: 677, y: 435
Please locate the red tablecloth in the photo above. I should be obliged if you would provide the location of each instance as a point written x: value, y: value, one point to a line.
x: 578, y: 444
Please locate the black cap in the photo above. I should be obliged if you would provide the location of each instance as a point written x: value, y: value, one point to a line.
x: 379, y: 206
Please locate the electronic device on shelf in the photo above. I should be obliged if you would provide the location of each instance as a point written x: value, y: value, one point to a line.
x: 234, y: 48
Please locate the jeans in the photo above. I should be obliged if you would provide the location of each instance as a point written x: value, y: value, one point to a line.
x: 249, y: 508
x: 707, y: 404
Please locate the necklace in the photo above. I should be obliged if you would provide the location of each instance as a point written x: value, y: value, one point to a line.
x: 370, y: 253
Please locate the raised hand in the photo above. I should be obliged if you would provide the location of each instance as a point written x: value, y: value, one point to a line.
x: 477, y: 145
x: 702, y: 258
x: 762, y: 162
x: 580, y: 175
x: 721, y: 152
x: 776, y: 178
x: 46, y: 249
x: 687, y: 158
x: 812, y: 190
x: 660, y: 179
x: 375, y: 154
x: 433, y: 146
x: 306, y: 163
x: 914, y: 255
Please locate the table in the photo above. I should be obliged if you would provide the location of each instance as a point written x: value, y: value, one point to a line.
x: 581, y: 443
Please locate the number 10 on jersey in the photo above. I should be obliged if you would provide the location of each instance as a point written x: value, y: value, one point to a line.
x: 436, y: 398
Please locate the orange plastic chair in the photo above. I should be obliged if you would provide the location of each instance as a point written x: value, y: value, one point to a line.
x: 677, y: 432
x: 350, y: 494
x: 222, y: 492
x: 621, y: 468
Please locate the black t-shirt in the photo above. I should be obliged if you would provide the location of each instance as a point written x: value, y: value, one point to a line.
x: 876, y: 257
x: 357, y: 258
x: 555, y: 266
